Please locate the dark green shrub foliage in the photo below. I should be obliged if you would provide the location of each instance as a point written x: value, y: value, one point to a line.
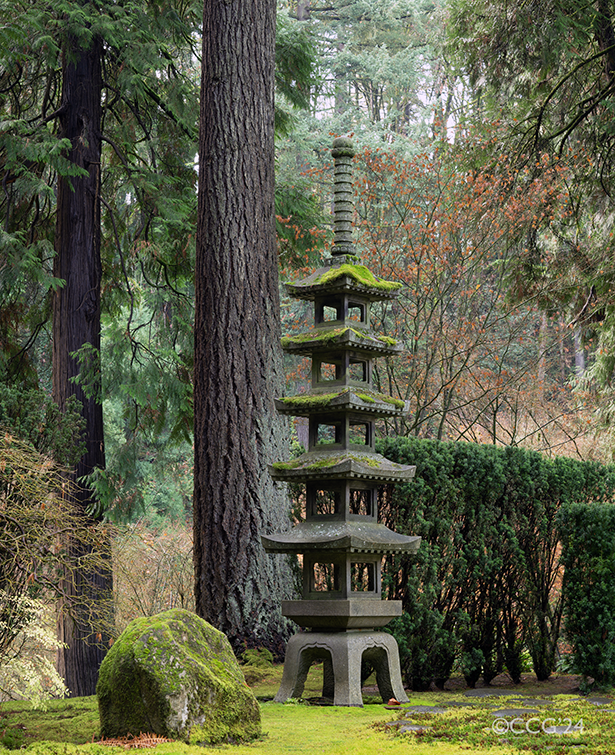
x: 32, y: 416
x: 588, y: 553
x: 484, y: 584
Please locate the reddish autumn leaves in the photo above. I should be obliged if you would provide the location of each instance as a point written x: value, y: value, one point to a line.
x: 454, y: 226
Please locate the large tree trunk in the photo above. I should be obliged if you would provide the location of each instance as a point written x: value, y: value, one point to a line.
x: 238, y: 366
x: 76, y: 322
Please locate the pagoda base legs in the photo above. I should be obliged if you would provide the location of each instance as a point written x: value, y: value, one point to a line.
x: 348, y: 659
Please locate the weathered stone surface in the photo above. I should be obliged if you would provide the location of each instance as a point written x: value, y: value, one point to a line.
x: 174, y: 675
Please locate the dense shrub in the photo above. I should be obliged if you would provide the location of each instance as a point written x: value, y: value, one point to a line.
x: 588, y: 553
x: 35, y: 512
x: 32, y: 416
x: 485, y: 583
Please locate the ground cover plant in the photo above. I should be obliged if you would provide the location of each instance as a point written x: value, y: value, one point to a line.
x: 469, y: 723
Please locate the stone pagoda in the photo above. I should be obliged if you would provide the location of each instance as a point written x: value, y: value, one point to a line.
x: 340, y: 541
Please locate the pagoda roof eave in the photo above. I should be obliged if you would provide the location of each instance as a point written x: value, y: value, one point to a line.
x: 329, y: 339
x: 353, y: 399
x: 345, y: 278
x: 343, y: 464
x: 348, y: 537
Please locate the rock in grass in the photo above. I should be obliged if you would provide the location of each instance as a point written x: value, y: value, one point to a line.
x: 174, y: 675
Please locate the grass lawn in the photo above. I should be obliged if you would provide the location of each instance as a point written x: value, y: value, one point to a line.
x: 70, y: 727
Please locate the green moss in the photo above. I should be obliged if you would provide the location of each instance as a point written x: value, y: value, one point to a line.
x: 325, y: 336
x: 260, y: 657
x: 304, y: 729
x: 372, y: 398
x: 320, y: 400
x: 360, y: 274
x: 315, y: 400
x: 168, y: 671
x: 300, y: 463
x: 304, y: 463
x: 367, y: 398
x: 368, y: 460
x: 313, y: 335
x: 385, y: 339
x: 388, y: 340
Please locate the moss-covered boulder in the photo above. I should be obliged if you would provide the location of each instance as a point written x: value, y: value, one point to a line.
x: 174, y: 675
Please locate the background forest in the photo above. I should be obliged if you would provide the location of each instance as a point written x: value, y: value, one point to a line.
x: 483, y: 184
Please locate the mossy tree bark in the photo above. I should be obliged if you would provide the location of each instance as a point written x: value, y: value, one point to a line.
x: 238, y: 365
x: 76, y: 323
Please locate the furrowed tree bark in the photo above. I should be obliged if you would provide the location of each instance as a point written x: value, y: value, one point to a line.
x: 238, y: 366
x: 76, y: 322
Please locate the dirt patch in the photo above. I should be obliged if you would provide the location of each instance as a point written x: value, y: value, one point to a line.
x: 529, y: 686
x: 556, y: 684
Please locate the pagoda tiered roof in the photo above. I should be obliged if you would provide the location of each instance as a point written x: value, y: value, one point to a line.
x: 347, y: 399
x: 344, y: 464
x: 348, y: 537
x: 321, y: 339
x: 340, y: 277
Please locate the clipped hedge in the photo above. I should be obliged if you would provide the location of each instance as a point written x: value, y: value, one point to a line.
x: 485, y: 583
x: 588, y: 553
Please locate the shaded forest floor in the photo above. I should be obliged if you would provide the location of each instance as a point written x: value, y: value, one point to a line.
x: 449, y: 722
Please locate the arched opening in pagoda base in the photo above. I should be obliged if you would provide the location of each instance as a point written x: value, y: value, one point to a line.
x: 376, y: 661
x: 348, y: 659
x: 315, y: 656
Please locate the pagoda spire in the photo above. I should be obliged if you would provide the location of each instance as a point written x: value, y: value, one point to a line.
x: 343, y: 208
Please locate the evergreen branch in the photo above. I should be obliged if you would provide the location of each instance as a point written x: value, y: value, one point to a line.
x: 117, y: 151
x: 581, y: 117
x: 56, y: 114
x: 189, y: 132
x: 563, y: 80
x: 169, y: 284
x: 119, y: 251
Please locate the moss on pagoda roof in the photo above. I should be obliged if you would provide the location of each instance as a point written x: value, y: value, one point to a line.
x: 325, y: 336
x: 347, y: 276
x: 330, y: 461
x: 324, y: 464
x: 360, y: 274
x: 313, y: 401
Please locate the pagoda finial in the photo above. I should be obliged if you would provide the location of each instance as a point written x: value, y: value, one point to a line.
x: 343, y: 152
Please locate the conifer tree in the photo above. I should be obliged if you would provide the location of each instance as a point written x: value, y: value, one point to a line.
x: 77, y: 76
x: 238, y: 368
